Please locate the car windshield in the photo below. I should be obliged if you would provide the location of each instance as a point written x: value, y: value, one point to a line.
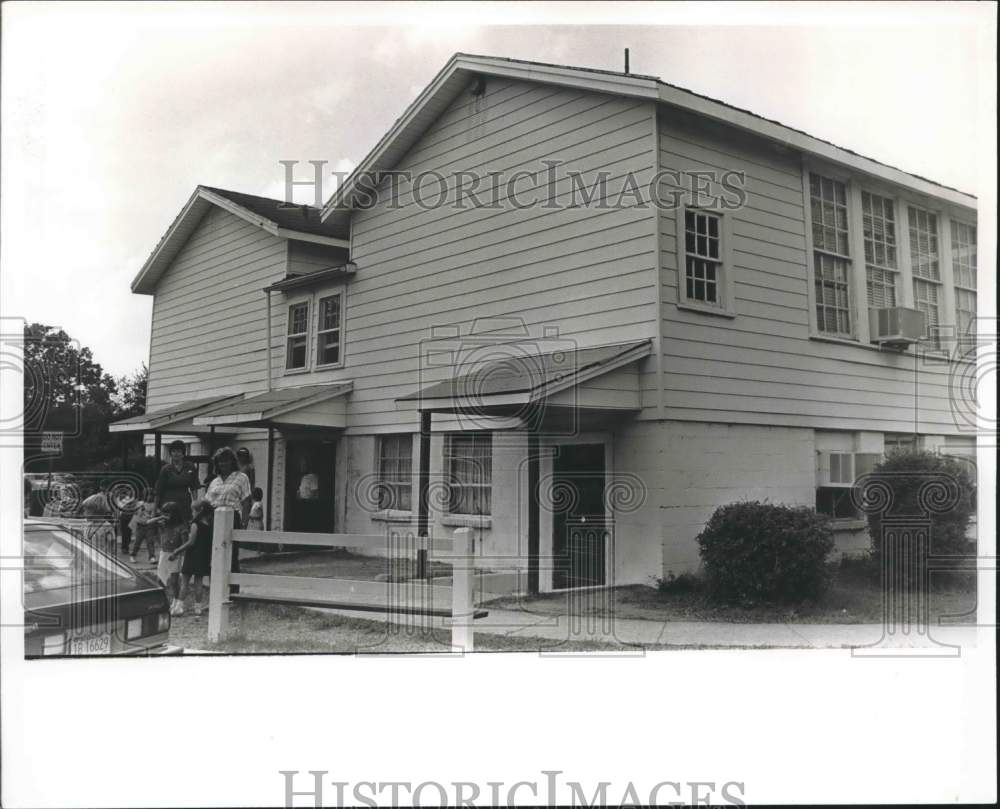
x: 55, y: 559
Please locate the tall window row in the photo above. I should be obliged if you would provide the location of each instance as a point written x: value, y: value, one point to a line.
x: 890, y: 260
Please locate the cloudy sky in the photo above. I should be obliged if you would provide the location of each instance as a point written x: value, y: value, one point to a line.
x: 113, y: 113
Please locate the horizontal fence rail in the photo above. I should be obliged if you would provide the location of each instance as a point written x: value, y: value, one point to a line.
x: 454, y: 601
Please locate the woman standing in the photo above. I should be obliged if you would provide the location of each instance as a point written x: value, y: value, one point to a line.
x: 178, y: 480
x: 230, y: 488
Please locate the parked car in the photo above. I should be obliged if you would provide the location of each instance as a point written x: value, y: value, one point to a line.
x: 79, y: 600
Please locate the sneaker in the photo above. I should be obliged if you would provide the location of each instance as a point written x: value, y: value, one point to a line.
x: 175, y: 607
x: 152, y: 560
x: 133, y: 559
x: 197, y: 610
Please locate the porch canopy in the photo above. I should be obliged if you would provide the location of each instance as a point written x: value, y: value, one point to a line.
x: 307, y: 406
x: 587, y: 385
x: 176, y: 419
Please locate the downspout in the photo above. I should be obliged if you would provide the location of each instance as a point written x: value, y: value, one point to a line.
x: 267, y: 340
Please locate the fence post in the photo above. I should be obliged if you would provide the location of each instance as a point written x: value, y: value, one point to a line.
x: 218, y: 589
x: 462, y: 579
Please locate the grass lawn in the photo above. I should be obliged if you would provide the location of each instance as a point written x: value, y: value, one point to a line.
x: 270, y: 628
x: 847, y: 601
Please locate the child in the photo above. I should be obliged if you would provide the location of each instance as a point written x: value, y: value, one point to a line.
x: 256, y: 521
x: 197, y: 552
x: 144, y: 526
x: 173, y: 530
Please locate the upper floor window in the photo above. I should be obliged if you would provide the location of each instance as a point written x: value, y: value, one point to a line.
x: 328, y: 331
x: 703, y: 257
x: 925, y: 265
x: 881, y: 260
x: 831, y: 255
x: 298, y: 335
x: 469, y: 461
x: 963, y: 262
x: 395, y: 471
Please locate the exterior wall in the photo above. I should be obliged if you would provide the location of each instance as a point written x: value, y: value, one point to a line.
x: 306, y: 257
x: 591, y: 273
x: 505, y: 531
x: 209, y: 312
x: 761, y: 366
x: 689, y: 469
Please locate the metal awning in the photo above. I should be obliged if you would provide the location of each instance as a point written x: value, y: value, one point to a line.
x: 176, y: 418
x: 523, y: 376
x: 307, y: 406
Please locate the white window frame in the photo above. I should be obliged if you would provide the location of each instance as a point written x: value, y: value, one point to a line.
x: 957, y: 287
x: 290, y: 304
x: 857, y: 303
x: 394, y: 484
x: 943, y: 282
x: 725, y: 281
x: 318, y: 313
x: 449, y: 455
x: 885, y: 266
x: 312, y: 299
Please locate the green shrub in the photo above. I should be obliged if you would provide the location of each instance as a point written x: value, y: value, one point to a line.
x: 760, y: 552
x: 679, y: 585
x: 948, y: 500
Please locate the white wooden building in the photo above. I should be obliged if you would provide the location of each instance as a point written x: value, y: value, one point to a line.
x: 659, y: 360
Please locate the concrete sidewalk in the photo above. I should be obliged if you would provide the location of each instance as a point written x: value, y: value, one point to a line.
x: 630, y: 632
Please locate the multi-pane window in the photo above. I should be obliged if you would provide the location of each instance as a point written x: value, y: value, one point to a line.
x: 963, y: 263
x: 881, y: 260
x: 831, y: 254
x: 926, y: 266
x: 925, y: 298
x: 298, y: 335
x: 833, y: 299
x: 703, y: 254
x: 328, y: 331
x: 965, y: 311
x: 469, y: 461
x: 924, y: 256
x: 395, y: 471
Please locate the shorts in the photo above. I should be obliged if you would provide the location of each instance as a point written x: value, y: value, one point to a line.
x: 165, y: 567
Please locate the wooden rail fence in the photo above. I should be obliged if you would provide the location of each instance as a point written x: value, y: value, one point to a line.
x: 393, y: 597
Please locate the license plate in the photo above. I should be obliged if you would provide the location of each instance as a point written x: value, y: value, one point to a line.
x: 91, y: 645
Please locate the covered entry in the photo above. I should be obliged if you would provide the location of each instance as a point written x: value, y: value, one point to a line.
x: 310, y: 420
x: 559, y: 399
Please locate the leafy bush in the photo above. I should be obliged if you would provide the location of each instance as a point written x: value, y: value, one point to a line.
x: 924, y: 485
x: 760, y: 552
x: 678, y: 585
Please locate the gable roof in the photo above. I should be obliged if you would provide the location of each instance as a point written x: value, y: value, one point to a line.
x: 300, y: 222
x: 462, y: 68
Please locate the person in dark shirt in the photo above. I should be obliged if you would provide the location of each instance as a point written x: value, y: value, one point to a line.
x: 178, y: 481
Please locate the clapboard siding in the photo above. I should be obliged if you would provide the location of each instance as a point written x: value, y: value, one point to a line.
x: 209, y: 312
x: 592, y: 273
x: 761, y: 367
x: 306, y: 257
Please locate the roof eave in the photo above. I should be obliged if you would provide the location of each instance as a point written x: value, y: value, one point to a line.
x: 646, y: 87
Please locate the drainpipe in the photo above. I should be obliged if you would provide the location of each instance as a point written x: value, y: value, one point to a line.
x: 267, y: 340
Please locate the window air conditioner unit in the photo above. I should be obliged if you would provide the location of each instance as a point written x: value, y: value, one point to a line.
x: 897, y: 327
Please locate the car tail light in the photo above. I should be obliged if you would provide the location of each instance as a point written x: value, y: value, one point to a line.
x: 163, y: 622
x: 54, y: 644
x: 133, y: 629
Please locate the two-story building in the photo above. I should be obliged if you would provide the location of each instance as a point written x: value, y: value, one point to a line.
x: 653, y: 304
